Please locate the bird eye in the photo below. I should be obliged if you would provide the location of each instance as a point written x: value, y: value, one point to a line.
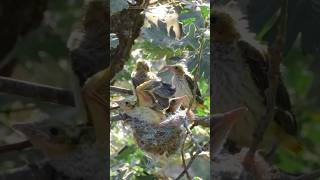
x: 176, y: 67
x: 127, y: 103
x: 54, y: 131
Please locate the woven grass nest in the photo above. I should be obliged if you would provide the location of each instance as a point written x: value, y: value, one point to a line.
x: 164, y: 138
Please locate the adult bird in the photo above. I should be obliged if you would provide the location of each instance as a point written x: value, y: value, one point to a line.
x: 184, y: 83
x: 240, y: 78
x: 71, y: 150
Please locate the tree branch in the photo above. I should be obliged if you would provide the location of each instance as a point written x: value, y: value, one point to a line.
x: 15, y: 146
x: 183, y: 159
x: 37, y: 91
x: 274, y: 58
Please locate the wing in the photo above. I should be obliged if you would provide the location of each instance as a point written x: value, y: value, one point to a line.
x: 284, y: 115
x: 164, y: 90
x: 161, y: 103
x: 139, y: 78
x: 136, y: 80
x: 191, y: 85
x: 259, y: 69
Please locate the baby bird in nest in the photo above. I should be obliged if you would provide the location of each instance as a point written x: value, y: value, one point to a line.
x: 155, y: 94
x: 142, y: 113
x: 154, y: 132
x: 142, y: 73
x: 71, y: 150
x: 175, y: 104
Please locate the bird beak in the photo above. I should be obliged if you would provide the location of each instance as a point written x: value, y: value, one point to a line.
x: 165, y: 68
x: 117, y: 102
x: 180, y: 99
x: 236, y: 114
x: 228, y: 119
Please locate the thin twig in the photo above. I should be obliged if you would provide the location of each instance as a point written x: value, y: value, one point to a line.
x: 183, y: 159
x: 275, y: 59
x: 121, y: 90
x: 311, y: 176
x: 195, y: 80
x: 189, y: 164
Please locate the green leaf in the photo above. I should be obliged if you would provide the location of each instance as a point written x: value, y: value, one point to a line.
x: 205, y: 11
x: 188, y: 21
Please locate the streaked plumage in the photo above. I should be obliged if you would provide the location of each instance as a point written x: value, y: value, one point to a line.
x: 240, y: 78
x: 182, y: 80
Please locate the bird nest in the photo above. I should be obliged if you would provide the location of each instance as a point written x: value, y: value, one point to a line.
x: 164, y: 138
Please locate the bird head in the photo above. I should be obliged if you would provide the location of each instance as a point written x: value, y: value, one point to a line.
x: 224, y: 28
x: 175, y: 103
x: 127, y: 105
x: 52, y: 138
x: 142, y: 66
x: 177, y: 69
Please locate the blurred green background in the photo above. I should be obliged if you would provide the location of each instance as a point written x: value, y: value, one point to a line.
x: 40, y: 55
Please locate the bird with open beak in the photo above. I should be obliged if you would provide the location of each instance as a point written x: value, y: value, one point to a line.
x: 143, y: 113
x: 240, y: 78
x: 155, y: 94
x: 71, y: 150
x: 175, y: 104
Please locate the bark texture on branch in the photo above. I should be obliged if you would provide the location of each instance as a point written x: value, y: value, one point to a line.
x: 15, y: 146
x: 121, y: 90
x: 37, y: 91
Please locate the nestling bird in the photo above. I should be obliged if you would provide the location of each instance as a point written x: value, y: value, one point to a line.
x: 71, y: 150
x: 142, y: 73
x: 155, y: 94
x: 142, y: 113
x: 240, y: 78
x: 175, y: 104
x: 183, y: 81
x: 150, y: 134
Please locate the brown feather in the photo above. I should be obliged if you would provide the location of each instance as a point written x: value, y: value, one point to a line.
x: 259, y: 69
